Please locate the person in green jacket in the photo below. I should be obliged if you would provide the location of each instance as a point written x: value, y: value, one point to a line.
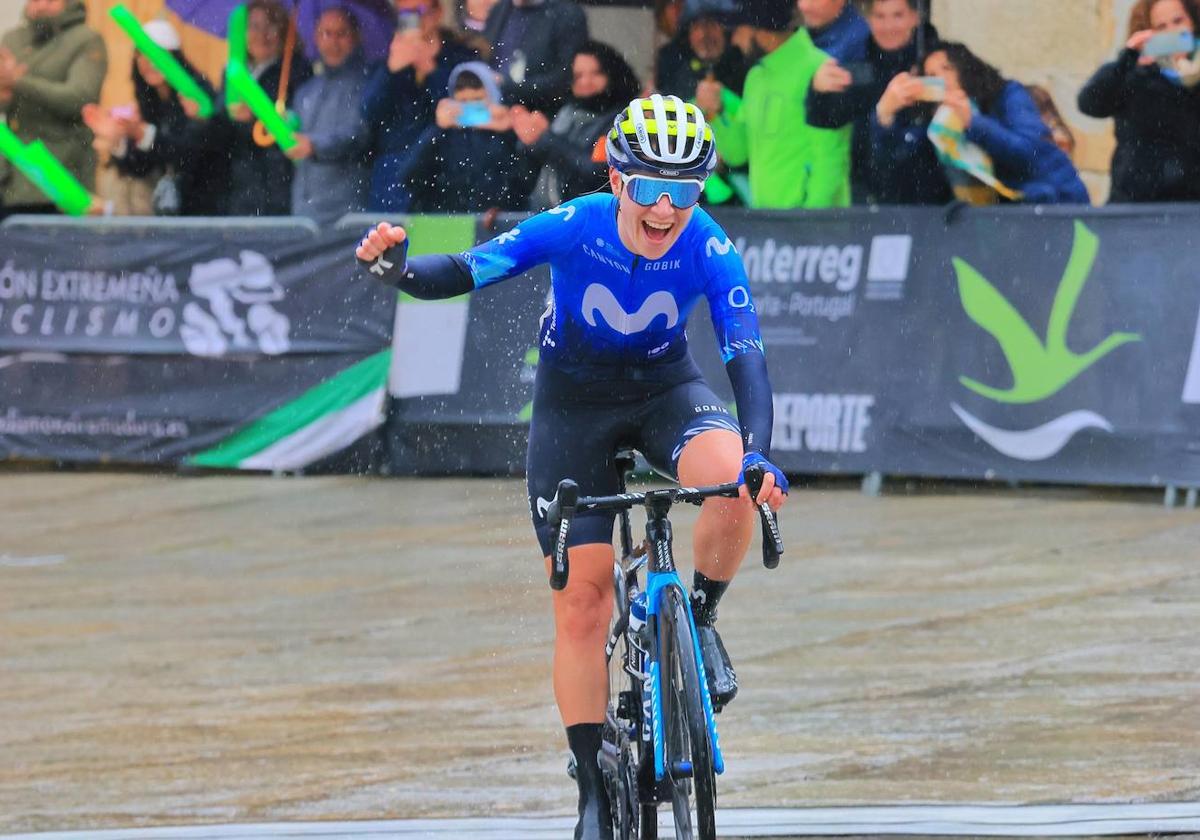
x: 50, y: 67
x: 792, y: 164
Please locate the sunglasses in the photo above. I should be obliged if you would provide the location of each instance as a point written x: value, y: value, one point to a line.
x: 646, y: 190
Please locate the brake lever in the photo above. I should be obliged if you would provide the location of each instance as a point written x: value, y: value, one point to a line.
x: 560, y: 514
x: 772, y: 542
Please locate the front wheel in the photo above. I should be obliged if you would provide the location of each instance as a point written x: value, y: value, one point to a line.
x: 687, y: 745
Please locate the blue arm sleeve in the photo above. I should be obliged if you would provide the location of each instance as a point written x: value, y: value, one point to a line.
x: 727, y: 289
x: 536, y: 240
x: 435, y: 276
x: 428, y: 277
x: 735, y: 321
x: 752, y: 393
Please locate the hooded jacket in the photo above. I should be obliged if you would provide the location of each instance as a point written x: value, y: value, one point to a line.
x: 398, y: 109
x: 792, y: 164
x: 67, y: 63
x: 468, y: 169
x: 333, y: 181
x: 1024, y: 155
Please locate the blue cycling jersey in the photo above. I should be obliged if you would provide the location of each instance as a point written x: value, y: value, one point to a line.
x: 609, y: 307
x: 612, y: 307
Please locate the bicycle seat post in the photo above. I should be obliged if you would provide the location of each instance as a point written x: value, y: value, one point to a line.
x: 624, y: 462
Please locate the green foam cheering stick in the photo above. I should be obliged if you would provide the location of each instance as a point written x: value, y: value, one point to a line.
x: 42, y: 168
x: 247, y: 89
x: 163, y: 61
x: 237, y: 49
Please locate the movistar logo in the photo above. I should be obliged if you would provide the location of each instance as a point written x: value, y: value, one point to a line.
x: 1041, y: 367
x: 721, y: 248
x: 600, y: 299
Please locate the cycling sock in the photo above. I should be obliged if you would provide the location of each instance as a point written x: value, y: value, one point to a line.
x: 706, y: 593
x: 584, y: 741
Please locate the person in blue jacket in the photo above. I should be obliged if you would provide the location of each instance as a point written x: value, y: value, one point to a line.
x: 837, y: 28
x: 401, y: 98
x: 1001, y: 117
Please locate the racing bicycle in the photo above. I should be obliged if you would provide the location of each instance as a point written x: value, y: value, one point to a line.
x: 660, y: 740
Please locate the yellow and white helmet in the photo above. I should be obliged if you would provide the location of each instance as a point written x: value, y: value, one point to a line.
x: 662, y: 135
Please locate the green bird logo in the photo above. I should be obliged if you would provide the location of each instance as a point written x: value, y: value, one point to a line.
x: 1039, y: 368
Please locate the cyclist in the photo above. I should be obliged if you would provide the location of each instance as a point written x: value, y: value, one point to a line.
x: 626, y: 269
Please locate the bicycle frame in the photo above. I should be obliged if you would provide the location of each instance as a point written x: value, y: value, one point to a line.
x: 661, y: 577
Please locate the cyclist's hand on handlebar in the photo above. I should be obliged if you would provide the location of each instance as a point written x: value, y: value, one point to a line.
x: 378, y: 240
x: 775, y: 484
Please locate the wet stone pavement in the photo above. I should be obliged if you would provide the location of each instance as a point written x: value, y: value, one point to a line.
x: 241, y: 649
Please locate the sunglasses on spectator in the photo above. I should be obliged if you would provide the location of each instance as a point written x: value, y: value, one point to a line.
x: 646, y: 190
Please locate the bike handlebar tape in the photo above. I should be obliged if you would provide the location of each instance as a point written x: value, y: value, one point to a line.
x: 772, y: 542
x: 562, y: 509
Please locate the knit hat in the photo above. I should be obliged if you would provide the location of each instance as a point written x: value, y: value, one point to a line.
x: 163, y: 34
x: 775, y: 15
x: 724, y: 12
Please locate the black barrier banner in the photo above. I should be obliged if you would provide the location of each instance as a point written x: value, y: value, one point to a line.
x: 228, y: 346
x: 463, y: 377
x: 1015, y: 343
x: 1030, y: 344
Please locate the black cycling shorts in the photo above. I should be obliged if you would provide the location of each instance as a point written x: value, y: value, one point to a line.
x: 577, y: 427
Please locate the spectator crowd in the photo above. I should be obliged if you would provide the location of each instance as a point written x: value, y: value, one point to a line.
x: 504, y: 104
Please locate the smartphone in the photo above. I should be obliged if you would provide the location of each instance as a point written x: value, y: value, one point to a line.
x: 408, y: 20
x: 1166, y: 44
x: 474, y: 113
x: 933, y: 88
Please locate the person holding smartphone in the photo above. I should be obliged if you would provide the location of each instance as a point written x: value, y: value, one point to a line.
x: 401, y: 97
x: 1000, y: 117
x: 468, y: 162
x: 1157, y: 115
x: 906, y: 170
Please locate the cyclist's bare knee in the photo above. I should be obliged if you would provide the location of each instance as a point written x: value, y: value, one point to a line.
x: 583, y: 611
x: 712, y: 457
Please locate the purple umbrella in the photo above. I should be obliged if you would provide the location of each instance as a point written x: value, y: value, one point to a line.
x: 376, y: 19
